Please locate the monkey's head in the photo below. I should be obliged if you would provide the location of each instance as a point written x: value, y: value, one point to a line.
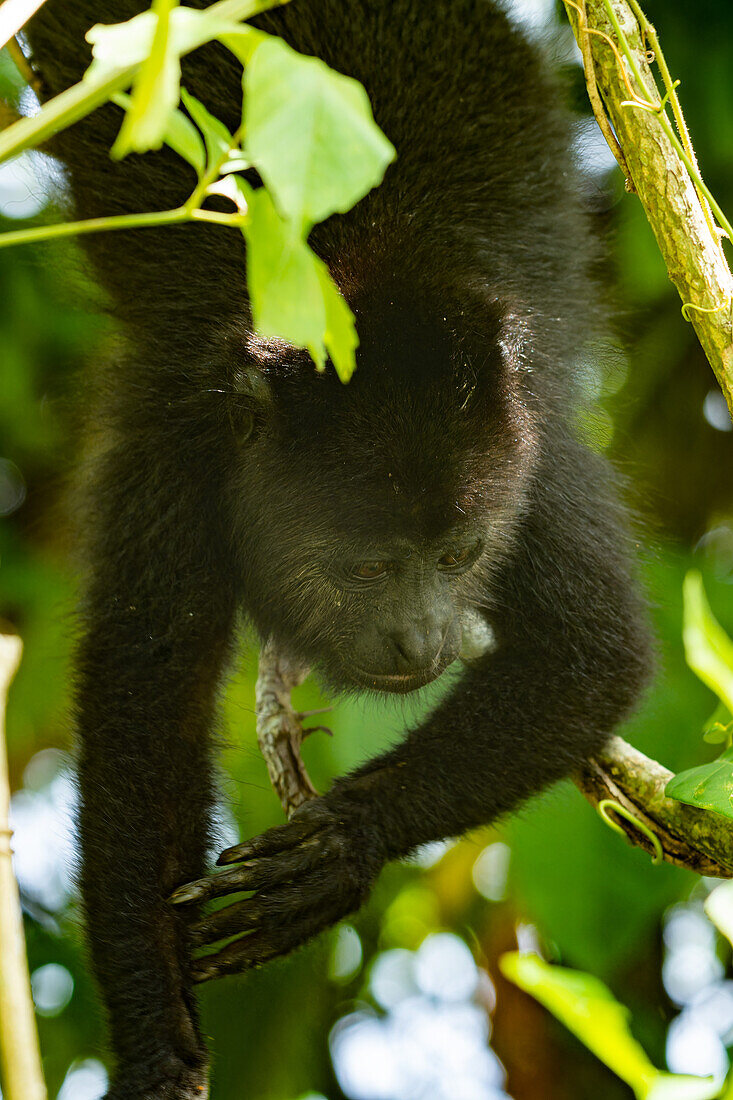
x: 370, y: 516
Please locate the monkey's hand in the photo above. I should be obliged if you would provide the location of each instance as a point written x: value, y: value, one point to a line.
x: 304, y: 877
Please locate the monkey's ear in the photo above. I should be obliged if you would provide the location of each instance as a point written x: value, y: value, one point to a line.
x: 251, y: 403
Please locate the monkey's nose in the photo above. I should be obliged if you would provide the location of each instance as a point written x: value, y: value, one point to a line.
x: 417, y: 645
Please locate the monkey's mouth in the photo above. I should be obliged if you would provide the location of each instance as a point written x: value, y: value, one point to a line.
x: 400, y: 683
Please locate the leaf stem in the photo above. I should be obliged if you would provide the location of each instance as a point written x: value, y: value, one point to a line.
x: 122, y: 221
x: 215, y: 217
x: 15, y: 14
x: 211, y: 174
x: 95, y: 225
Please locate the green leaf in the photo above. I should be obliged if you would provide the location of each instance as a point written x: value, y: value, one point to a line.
x: 310, y: 133
x: 708, y: 649
x: 340, y: 337
x: 283, y: 278
x: 242, y: 40
x: 669, y: 1086
x: 217, y: 137
x: 116, y: 46
x: 709, y: 787
x: 587, y: 1008
x: 154, y: 90
x: 293, y: 295
x: 180, y: 134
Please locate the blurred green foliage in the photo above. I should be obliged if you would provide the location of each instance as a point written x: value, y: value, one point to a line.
x: 591, y: 901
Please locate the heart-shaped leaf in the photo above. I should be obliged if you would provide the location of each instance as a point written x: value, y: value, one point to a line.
x: 310, y: 133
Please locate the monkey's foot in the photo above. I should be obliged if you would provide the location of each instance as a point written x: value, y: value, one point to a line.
x: 304, y: 877
x: 279, y: 728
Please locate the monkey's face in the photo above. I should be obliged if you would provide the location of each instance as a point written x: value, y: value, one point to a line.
x: 363, y: 550
x: 370, y: 612
x: 370, y: 517
x: 403, y: 602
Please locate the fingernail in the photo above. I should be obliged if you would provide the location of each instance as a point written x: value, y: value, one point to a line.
x: 184, y: 893
x: 232, y: 855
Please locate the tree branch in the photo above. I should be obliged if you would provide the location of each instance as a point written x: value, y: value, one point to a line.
x: 662, y: 169
x: 699, y: 840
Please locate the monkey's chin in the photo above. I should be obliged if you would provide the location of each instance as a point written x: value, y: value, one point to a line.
x: 397, y: 683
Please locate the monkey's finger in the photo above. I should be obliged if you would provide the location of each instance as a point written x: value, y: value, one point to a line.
x: 277, y: 839
x: 261, y: 874
x: 242, y: 916
x: 213, y: 886
x: 267, y: 943
x: 275, y: 911
x: 233, y: 959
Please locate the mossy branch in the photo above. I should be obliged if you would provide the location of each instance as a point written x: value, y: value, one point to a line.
x: 620, y: 43
x: 699, y: 840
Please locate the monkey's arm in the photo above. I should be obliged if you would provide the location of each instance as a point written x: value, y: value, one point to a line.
x: 156, y: 613
x: 571, y: 660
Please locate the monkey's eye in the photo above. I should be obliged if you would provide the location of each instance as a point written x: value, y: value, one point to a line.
x: 457, y: 559
x: 369, y: 570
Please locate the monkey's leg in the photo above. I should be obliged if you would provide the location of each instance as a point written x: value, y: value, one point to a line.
x: 157, y: 615
x: 571, y: 658
x: 279, y: 728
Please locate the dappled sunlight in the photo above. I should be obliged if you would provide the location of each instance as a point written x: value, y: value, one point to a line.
x: 430, y: 1039
x: 694, y: 978
x: 42, y: 819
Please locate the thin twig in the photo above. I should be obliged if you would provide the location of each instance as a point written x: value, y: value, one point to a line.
x: 23, y: 66
x: 20, y: 1060
x: 594, y: 95
x: 14, y: 14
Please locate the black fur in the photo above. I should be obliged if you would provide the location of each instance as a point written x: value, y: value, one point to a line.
x: 229, y: 475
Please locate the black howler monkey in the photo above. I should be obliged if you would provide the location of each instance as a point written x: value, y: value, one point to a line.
x: 354, y: 525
